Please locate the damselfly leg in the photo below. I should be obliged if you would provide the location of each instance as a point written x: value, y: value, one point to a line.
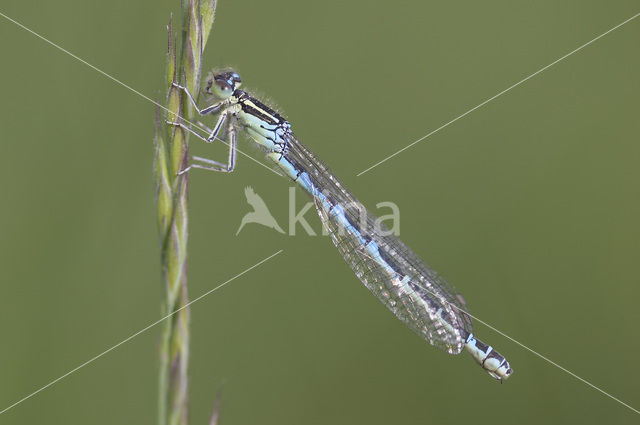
x: 204, y: 111
x: 212, y: 165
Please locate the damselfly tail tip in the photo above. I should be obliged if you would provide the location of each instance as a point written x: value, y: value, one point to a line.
x: 501, y: 373
x: 489, y: 359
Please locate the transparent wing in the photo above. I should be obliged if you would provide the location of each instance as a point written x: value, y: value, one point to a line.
x: 424, y: 301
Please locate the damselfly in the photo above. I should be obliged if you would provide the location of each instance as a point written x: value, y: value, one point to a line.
x: 416, y: 294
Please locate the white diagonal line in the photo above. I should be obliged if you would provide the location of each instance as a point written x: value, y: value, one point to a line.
x: 273, y: 255
x: 525, y: 347
x: 499, y: 94
x: 128, y: 87
x: 129, y: 338
x: 553, y: 363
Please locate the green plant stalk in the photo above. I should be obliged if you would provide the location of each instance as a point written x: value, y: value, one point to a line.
x: 184, y: 61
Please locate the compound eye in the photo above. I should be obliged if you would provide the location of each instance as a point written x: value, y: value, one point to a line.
x: 223, y: 86
x: 219, y: 87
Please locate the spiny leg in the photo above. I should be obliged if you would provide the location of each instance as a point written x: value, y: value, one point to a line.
x: 213, y: 165
x: 203, y: 126
x: 188, y: 129
x: 208, y: 110
x: 216, y: 129
x: 212, y: 133
x: 231, y: 157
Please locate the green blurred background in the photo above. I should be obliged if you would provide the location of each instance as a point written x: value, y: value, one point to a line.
x: 529, y: 205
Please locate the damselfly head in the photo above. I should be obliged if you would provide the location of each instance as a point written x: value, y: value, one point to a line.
x: 221, y: 84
